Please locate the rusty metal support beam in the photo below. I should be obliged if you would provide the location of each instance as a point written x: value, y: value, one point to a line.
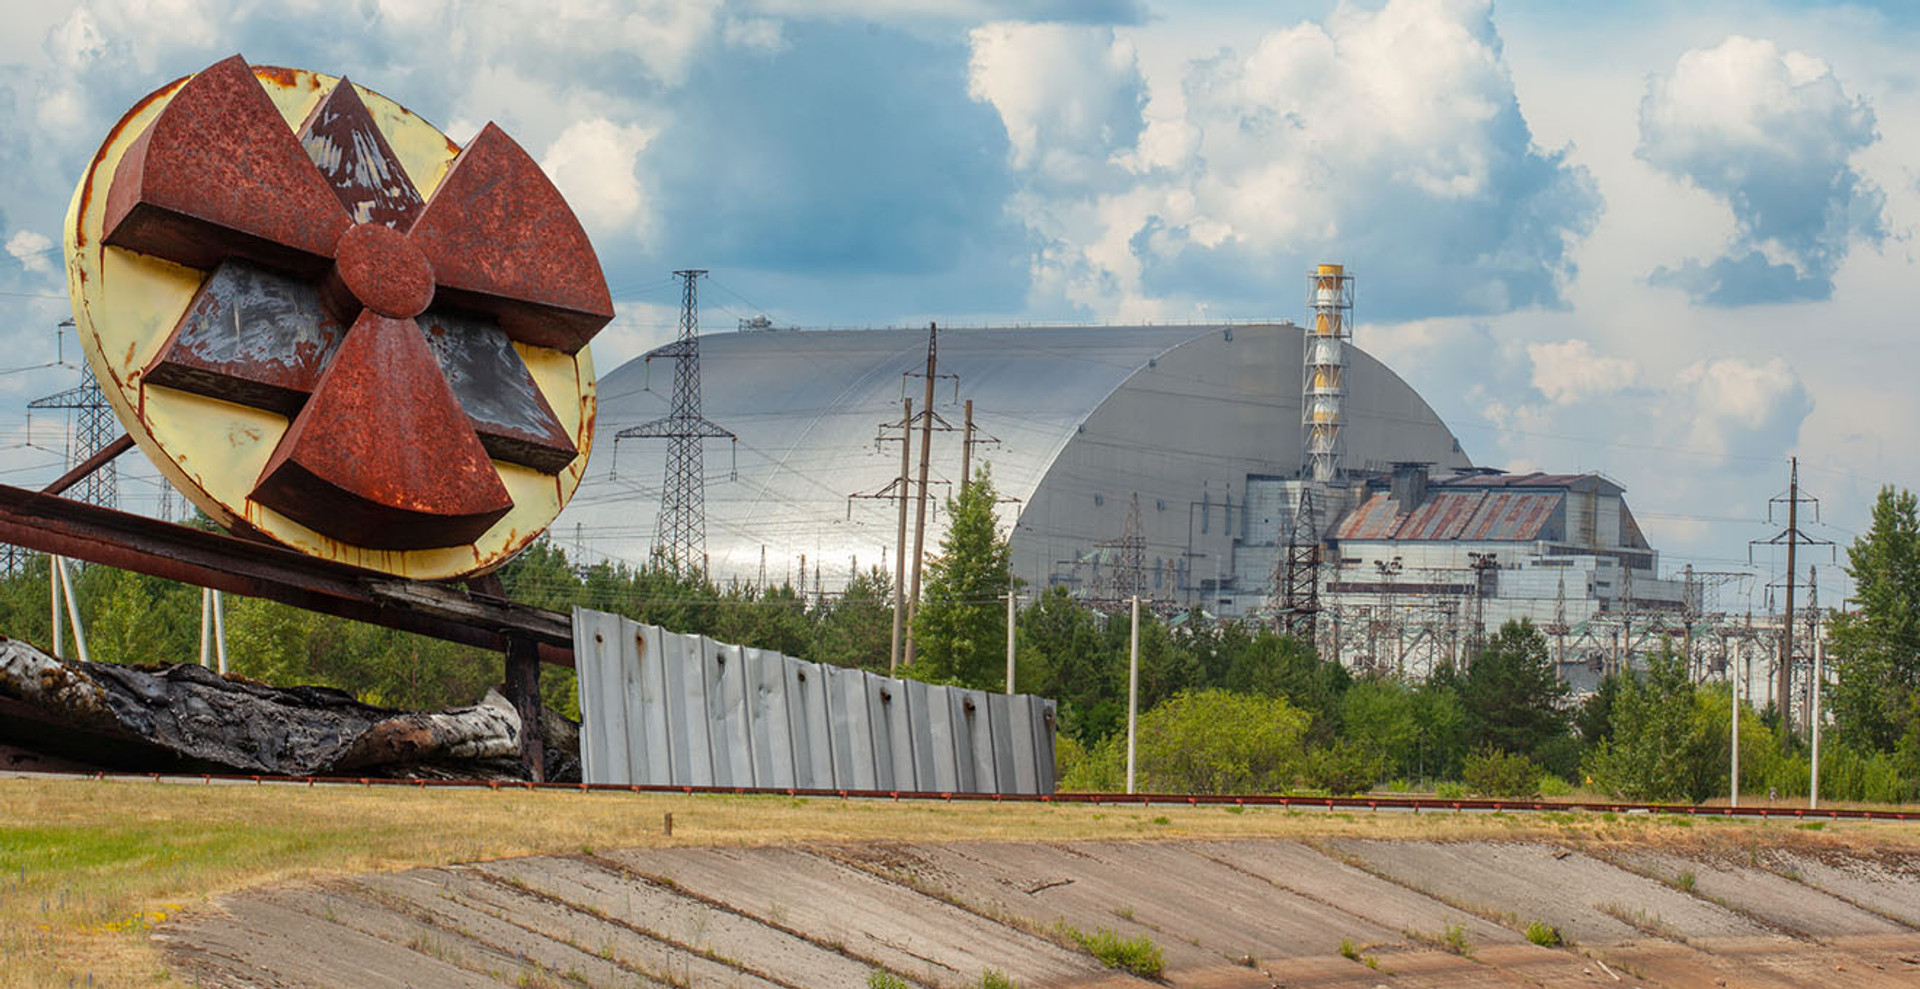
x: 523, y: 690
x: 81, y: 470
x: 62, y: 527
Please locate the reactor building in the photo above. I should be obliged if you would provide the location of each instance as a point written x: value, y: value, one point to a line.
x: 1251, y: 470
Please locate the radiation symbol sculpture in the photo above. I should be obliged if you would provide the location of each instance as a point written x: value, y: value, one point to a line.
x: 331, y: 326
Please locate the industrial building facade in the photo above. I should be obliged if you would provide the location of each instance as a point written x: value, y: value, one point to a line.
x: 1187, y: 462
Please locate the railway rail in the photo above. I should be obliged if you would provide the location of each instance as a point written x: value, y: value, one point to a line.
x: 1365, y: 803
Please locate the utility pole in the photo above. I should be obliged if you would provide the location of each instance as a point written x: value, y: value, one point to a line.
x: 927, y: 416
x: 971, y: 438
x: 897, y: 490
x: 1792, y: 537
x: 1011, y: 598
x: 681, y: 534
x: 1133, y: 690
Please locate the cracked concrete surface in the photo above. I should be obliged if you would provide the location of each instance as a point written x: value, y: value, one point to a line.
x: 1225, y: 915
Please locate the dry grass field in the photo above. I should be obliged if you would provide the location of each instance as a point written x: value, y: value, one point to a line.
x: 90, y: 869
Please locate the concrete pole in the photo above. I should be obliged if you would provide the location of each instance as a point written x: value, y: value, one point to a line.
x: 900, y: 540
x: 1819, y: 658
x: 1133, y: 691
x: 220, y: 633
x: 73, y: 610
x: 53, y: 578
x: 206, y: 627
x: 1733, y: 671
x: 1010, y: 598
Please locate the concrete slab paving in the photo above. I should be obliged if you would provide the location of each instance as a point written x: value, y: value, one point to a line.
x: 273, y: 946
x: 1765, y: 896
x: 1589, y: 900
x: 467, y: 904
x: 1320, y: 877
x: 1890, y: 888
x: 1226, y: 914
x: 601, y: 891
x: 938, y: 943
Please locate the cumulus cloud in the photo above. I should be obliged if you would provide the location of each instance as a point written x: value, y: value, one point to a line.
x: 1070, y: 98
x: 1389, y: 139
x: 594, y: 163
x: 1737, y: 408
x: 1772, y: 134
x: 1571, y: 371
x: 759, y: 34
x: 32, y: 250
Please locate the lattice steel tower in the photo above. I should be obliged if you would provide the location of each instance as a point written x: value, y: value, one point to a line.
x: 94, y: 429
x: 681, y: 533
x: 1298, y: 572
x: 1324, y: 386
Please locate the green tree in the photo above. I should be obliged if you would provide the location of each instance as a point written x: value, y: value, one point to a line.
x: 1378, y: 716
x: 1875, y: 649
x: 1275, y: 665
x: 1512, y: 693
x: 1658, y: 748
x: 1063, y: 655
x: 857, y: 629
x: 960, y: 628
x: 1213, y: 741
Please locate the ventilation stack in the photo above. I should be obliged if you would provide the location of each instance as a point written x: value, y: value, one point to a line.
x: 1323, y: 390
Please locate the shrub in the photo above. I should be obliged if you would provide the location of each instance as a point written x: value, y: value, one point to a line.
x: 1343, y: 768
x: 1450, y: 791
x: 1214, y: 741
x: 1492, y: 773
x: 1544, y: 934
x: 879, y: 979
x: 1554, y: 786
x: 1099, y: 769
x: 996, y: 979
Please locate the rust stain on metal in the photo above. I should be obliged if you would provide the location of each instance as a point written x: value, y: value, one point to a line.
x: 382, y: 451
x: 218, y: 174
x: 320, y: 253
x: 284, y: 76
x: 503, y: 242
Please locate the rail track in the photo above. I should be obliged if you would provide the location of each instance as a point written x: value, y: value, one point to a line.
x: 1414, y: 805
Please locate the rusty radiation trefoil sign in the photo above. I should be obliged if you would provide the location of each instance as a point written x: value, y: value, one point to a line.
x: 331, y: 326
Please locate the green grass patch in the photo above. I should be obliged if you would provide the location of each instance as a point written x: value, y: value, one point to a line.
x: 1138, y: 955
x: 1544, y: 934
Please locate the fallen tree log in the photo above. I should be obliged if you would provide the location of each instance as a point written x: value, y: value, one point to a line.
x: 188, y: 718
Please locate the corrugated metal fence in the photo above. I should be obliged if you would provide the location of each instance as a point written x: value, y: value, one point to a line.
x: 658, y: 707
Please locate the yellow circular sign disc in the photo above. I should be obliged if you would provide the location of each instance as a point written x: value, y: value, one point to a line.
x: 128, y: 305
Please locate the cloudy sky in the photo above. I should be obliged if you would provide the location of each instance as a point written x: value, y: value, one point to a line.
x: 1669, y: 242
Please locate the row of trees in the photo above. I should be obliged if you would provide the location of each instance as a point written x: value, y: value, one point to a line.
x: 1228, y: 706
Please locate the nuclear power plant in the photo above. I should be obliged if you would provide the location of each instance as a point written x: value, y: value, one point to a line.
x: 1259, y: 470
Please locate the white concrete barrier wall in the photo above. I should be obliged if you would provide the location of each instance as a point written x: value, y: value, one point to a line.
x: 660, y: 708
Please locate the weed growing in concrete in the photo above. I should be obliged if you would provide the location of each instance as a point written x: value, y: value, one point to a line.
x: 1455, y: 938
x: 1348, y: 950
x: 1684, y: 881
x: 1138, y: 955
x: 995, y: 979
x: 1544, y: 934
x: 881, y: 979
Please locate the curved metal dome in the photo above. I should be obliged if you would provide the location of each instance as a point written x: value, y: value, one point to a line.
x: 1086, y: 418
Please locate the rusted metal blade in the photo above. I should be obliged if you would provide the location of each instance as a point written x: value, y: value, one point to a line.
x: 220, y: 174
x: 504, y: 243
x: 252, y: 337
x: 349, y: 150
x: 493, y: 385
x: 383, y: 455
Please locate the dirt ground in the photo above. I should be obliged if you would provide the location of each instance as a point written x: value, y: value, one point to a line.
x: 1224, y: 914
